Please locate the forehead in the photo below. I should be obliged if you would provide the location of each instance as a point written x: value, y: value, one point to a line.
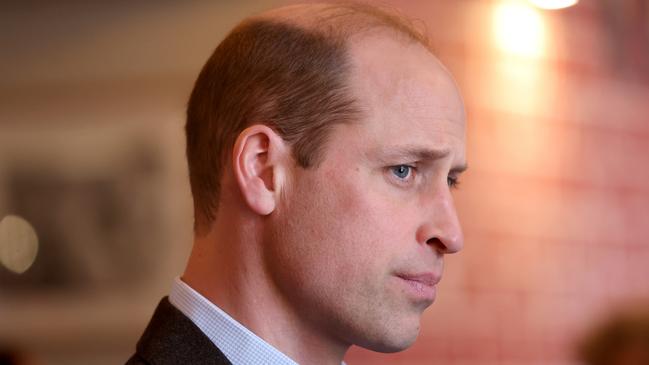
x: 406, y: 95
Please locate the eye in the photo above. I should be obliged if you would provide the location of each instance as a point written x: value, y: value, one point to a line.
x: 452, y: 182
x: 401, y: 171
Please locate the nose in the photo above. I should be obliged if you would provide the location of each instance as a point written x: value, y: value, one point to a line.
x: 441, y: 227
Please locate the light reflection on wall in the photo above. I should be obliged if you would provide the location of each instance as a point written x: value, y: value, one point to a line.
x: 519, y: 29
x: 520, y: 36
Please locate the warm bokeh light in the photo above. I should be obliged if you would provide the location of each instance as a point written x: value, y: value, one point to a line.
x: 519, y: 29
x: 18, y: 244
x: 554, y: 4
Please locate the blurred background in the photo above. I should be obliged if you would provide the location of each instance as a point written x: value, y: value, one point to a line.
x: 95, y: 207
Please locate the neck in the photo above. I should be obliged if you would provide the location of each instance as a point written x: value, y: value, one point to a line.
x: 226, y: 267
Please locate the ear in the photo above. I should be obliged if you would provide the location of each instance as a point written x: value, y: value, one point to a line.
x: 258, y: 161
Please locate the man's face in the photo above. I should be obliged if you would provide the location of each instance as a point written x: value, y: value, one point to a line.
x: 357, y: 244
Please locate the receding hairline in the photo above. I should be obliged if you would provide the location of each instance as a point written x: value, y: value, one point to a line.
x: 347, y: 20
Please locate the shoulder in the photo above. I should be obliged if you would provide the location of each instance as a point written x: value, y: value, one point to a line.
x: 136, y: 360
x: 172, y: 338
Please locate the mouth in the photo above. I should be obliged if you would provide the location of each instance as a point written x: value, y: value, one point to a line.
x: 420, y: 286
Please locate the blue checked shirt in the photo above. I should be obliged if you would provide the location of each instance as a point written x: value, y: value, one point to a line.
x: 235, y: 341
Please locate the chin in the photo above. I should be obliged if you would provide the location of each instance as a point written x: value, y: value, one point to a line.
x: 391, y: 347
x: 392, y: 342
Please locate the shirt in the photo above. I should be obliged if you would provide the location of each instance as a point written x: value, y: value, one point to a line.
x: 235, y: 341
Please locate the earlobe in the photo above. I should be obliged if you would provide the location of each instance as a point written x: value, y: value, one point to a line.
x: 257, y: 160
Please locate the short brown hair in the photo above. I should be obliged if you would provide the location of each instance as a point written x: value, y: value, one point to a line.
x: 282, y: 74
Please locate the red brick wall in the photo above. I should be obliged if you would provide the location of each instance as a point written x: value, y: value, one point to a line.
x: 555, y: 205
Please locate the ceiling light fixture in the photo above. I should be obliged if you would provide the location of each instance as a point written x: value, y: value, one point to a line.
x: 553, y: 4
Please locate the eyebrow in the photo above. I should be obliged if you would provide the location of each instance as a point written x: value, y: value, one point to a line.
x: 390, y: 154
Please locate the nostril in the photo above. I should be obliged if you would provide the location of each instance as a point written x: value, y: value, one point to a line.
x: 439, y: 245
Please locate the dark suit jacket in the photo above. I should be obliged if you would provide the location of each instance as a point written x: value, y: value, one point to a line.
x: 171, y: 338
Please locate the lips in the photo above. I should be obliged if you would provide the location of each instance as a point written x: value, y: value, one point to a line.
x: 427, y: 279
x: 420, y: 286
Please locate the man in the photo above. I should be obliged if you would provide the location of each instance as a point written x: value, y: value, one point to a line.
x: 323, y: 142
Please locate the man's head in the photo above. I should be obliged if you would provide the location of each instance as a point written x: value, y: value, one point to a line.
x: 287, y: 68
x: 340, y: 136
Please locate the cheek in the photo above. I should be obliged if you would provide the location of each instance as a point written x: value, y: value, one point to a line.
x: 341, y: 229
x: 361, y: 227
x: 332, y: 227
x: 387, y: 220
x: 356, y: 217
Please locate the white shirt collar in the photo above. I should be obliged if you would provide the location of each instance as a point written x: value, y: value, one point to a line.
x: 235, y: 341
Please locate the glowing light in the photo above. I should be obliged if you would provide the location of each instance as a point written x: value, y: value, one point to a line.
x: 18, y: 244
x: 554, y: 4
x: 519, y: 29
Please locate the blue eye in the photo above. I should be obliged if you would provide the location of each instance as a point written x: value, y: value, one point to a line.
x: 401, y: 171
